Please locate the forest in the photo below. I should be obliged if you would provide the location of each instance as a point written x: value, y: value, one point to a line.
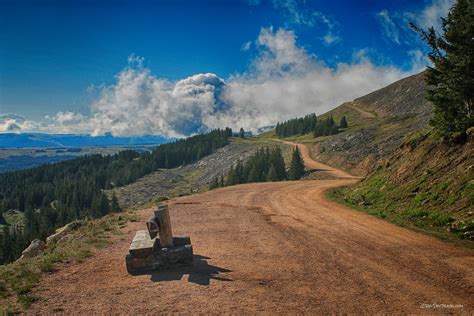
x: 55, y: 194
x: 265, y: 165
x: 310, y: 124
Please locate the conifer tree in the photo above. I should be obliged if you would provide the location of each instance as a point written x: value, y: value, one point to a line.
x: 214, y: 183
x: 242, y: 133
x: 296, y: 166
x: 343, y: 123
x: 451, y: 79
x: 114, y: 204
x: 272, y: 174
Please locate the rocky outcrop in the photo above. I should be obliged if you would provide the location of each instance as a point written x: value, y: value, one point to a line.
x: 34, y: 249
x: 61, y: 232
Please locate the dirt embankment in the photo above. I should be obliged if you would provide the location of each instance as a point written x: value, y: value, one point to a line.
x: 275, y: 248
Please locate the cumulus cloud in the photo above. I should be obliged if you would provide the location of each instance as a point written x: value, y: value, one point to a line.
x: 283, y: 81
x: 286, y: 81
x: 13, y: 123
x: 140, y: 103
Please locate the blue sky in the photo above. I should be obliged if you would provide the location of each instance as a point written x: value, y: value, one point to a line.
x: 61, y: 61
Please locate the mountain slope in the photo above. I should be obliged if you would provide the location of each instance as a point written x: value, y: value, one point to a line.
x: 378, y: 123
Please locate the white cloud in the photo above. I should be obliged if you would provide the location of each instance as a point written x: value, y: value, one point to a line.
x: 432, y: 13
x: 389, y: 29
x: 330, y: 39
x: 283, y: 81
x: 139, y: 103
x: 297, y: 14
x: 395, y: 24
x: 246, y: 46
x: 68, y: 118
x: 13, y: 123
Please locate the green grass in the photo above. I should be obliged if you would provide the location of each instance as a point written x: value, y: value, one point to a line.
x: 14, y: 217
x: 421, y: 211
x: 18, y: 279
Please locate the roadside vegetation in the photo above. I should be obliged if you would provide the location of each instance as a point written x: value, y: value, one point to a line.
x: 426, y: 185
x: 17, y: 279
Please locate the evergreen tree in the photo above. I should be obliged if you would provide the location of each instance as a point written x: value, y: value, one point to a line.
x: 214, y: 183
x: 231, y: 177
x: 114, y: 204
x: 451, y: 80
x: 222, y: 183
x: 343, y: 123
x: 272, y: 174
x: 296, y: 166
x: 2, y: 220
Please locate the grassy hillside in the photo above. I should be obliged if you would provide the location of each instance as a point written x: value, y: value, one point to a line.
x: 378, y: 123
x: 425, y: 184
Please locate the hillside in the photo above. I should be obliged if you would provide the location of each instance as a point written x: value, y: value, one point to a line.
x: 378, y: 123
x: 412, y: 178
x: 425, y: 184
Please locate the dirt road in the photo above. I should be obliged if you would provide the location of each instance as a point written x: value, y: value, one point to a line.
x: 318, y: 166
x: 274, y: 248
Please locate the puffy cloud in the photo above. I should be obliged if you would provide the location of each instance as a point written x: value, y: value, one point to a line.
x: 286, y: 81
x: 139, y: 103
x: 12, y: 123
x: 68, y: 118
x: 282, y: 82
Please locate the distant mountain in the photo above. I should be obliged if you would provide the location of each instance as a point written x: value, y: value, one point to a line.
x: 11, y: 140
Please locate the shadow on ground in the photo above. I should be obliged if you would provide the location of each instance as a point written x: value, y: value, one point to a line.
x: 200, y: 273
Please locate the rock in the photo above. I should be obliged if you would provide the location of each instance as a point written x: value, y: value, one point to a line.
x: 61, y: 232
x: 33, y: 249
x: 469, y: 235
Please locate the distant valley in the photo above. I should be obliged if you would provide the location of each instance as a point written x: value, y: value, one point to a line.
x: 21, y: 151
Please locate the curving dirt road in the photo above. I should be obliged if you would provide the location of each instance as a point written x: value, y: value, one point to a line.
x: 318, y: 166
x: 274, y: 248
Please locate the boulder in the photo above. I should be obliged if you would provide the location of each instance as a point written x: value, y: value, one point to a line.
x: 58, y: 234
x: 62, y: 231
x: 33, y: 249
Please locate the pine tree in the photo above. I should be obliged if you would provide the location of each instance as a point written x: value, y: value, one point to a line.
x: 343, y: 123
x: 214, y: 183
x: 451, y: 80
x: 242, y: 133
x: 296, y: 166
x: 272, y: 174
x: 231, y: 176
x: 114, y: 204
x: 2, y: 220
